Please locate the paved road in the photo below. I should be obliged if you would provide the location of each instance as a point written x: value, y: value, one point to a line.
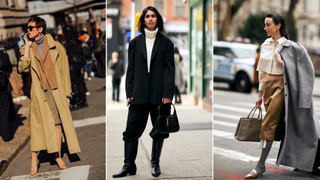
x: 90, y: 163
x: 234, y: 159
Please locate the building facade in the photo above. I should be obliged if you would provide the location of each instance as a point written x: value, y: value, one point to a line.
x: 13, y: 18
x: 307, y: 15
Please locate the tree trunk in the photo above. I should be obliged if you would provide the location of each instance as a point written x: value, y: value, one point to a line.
x: 291, y: 20
x: 230, y: 12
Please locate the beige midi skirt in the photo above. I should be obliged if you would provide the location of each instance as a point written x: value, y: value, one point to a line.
x: 273, y: 121
x: 52, y: 105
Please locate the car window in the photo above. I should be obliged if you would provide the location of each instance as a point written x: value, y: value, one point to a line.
x: 222, y: 51
x: 244, y: 52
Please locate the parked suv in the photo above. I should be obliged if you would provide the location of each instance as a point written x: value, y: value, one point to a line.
x: 233, y: 64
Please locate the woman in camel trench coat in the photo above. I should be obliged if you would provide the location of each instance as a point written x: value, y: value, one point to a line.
x: 42, y: 122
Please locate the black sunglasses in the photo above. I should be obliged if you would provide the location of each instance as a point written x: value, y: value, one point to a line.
x: 30, y: 28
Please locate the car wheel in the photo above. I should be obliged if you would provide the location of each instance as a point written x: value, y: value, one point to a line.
x: 243, y: 83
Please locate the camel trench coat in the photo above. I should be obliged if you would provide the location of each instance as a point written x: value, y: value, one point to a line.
x: 42, y: 125
x: 299, y: 147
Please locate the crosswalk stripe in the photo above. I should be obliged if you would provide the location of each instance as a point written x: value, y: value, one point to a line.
x: 239, y: 155
x: 223, y: 134
x: 224, y: 115
x: 89, y: 121
x: 72, y: 173
x: 232, y: 108
x: 224, y: 123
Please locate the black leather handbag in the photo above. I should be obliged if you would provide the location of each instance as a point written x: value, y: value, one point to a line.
x: 166, y: 123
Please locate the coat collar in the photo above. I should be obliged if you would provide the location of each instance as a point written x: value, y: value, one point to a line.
x: 156, y: 45
x: 286, y: 43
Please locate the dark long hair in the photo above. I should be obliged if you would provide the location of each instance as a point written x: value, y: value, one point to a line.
x: 277, y: 18
x: 141, y: 24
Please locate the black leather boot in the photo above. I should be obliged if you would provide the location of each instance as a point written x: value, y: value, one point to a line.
x: 130, y: 154
x: 155, y: 157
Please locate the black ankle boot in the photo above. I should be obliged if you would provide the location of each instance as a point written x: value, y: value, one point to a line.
x: 130, y: 154
x: 155, y: 157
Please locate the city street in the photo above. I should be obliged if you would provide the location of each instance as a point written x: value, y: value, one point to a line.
x: 234, y: 159
x: 90, y: 162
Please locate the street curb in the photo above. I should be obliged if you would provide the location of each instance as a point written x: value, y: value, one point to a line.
x: 13, y: 155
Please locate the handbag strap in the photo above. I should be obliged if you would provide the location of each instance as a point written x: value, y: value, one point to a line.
x: 255, y: 108
x: 170, y: 104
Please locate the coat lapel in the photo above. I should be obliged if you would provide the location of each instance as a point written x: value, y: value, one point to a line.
x: 52, y: 47
x: 143, y: 46
x: 156, y: 45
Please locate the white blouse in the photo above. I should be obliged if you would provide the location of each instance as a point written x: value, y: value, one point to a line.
x: 267, y: 62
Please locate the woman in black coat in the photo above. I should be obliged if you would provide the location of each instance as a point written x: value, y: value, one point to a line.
x: 149, y: 81
x: 7, y: 112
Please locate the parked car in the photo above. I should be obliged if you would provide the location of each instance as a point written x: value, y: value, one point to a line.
x: 233, y: 64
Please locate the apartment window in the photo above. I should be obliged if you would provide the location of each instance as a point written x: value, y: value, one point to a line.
x: 305, y: 5
x: 179, y: 8
x: 139, y: 6
x: 159, y: 4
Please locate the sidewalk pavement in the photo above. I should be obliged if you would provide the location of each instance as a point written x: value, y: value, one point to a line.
x: 186, y: 154
x: 9, y: 150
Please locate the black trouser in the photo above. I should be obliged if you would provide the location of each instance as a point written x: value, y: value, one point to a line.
x: 78, y: 85
x: 6, y: 116
x: 115, y: 87
x: 137, y: 120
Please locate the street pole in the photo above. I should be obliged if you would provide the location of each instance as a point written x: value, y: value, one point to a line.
x: 133, y: 23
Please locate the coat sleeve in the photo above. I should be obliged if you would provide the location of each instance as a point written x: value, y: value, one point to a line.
x: 66, y: 81
x: 169, y: 72
x: 130, y: 70
x: 306, y: 76
x: 24, y: 62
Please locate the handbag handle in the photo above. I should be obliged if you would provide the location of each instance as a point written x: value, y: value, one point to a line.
x: 255, y: 108
x: 170, y: 104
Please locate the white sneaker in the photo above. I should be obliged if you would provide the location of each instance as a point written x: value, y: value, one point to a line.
x: 92, y: 74
x: 89, y: 78
x: 22, y: 98
x: 87, y: 93
x: 17, y: 99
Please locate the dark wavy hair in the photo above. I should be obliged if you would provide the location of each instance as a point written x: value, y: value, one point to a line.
x: 141, y: 24
x: 277, y: 18
x: 39, y: 23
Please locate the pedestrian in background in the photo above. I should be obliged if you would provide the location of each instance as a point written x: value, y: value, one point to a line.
x: 149, y: 82
x: 87, y: 50
x: 255, y: 81
x: 178, y: 62
x: 76, y: 64
x: 100, y: 55
x: 12, y: 49
x: 49, y: 112
x: 7, y: 112
x: 117, y: 67
x: 286, y: 80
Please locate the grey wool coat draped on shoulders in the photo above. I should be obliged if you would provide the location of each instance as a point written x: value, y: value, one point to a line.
x: 299, y: 147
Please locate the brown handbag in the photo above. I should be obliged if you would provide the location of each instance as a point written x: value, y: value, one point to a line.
x: 249, y: 128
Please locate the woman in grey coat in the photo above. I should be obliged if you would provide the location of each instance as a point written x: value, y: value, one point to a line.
x: 286, y: 79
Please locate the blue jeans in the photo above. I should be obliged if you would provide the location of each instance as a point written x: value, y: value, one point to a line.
x: 88, y: 67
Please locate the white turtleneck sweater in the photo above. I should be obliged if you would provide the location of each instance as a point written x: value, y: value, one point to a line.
x: 150, y: 38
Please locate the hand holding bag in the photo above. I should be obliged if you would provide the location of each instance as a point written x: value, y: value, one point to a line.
x: 166, y: 123
x: 249, y: 128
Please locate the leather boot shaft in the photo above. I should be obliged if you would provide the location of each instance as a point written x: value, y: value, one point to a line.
x: 130, y: 154
x: 155, y: 156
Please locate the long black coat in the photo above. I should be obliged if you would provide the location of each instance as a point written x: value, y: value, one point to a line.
x: 299, y: 147
x: 162, y: 71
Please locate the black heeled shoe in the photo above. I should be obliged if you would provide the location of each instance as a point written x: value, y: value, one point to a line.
x: 126, y: 170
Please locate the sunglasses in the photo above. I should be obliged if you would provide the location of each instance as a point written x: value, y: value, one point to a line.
x: 30, y: 28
